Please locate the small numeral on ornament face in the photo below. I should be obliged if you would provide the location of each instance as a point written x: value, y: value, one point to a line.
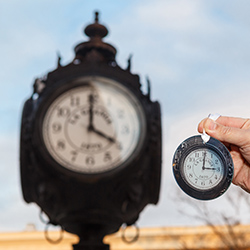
x: 120, y: 113
x: 125, y: 130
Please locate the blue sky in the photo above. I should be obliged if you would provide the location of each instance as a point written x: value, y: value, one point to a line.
x: 196, y: 54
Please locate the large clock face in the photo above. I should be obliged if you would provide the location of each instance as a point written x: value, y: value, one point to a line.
x: 94, y: 127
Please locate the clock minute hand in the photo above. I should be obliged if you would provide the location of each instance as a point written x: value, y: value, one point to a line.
x: 204, y: 161
x: 91, y: 102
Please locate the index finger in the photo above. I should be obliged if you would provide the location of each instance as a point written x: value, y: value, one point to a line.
x: 235, y: 122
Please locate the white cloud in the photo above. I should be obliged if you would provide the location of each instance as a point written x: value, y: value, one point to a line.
x: 174, y: 15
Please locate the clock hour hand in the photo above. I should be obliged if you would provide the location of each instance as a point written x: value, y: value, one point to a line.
x: 209, y: 168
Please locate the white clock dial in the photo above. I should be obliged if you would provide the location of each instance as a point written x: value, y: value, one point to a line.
x: 94, y: 127
x: 203, y: 169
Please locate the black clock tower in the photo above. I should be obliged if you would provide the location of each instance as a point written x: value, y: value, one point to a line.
x: 90, y: 148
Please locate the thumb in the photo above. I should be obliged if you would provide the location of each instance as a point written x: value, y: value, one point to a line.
x: 232, y: 135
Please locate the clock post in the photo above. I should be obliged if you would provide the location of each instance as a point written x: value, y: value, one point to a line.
x: 90, y: 145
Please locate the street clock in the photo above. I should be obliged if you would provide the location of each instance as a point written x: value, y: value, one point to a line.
x: 90, y: 150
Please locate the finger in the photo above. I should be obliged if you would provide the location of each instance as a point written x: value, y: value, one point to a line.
x: 229, y: 122
x: 236, y: 136
x: 233, y: 122
x: 201, y: 125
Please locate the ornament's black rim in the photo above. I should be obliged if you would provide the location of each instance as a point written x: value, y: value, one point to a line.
x: 193, y: 143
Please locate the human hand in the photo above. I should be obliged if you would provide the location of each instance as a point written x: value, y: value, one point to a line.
x: 235, y: 134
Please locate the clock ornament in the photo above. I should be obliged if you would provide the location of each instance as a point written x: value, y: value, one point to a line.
x: 91, y: 143
x: 203, y: 167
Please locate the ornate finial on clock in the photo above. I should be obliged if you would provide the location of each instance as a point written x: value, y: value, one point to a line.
x: 95, y: 49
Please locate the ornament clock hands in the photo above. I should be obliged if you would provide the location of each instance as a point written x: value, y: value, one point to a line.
x: 209, y: 168
x: 204, y: 161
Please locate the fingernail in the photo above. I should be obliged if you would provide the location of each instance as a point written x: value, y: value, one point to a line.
x: 214, y: 116
x: 212, y: 125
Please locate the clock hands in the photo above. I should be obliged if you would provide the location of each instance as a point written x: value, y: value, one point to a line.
x: 91, y: 125
x: 102, y: 134
x: 204, y: 161
x: 209, y: 168
x: 91, y: 104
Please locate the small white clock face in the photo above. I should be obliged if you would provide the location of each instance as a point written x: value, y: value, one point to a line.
x: 203, y: 169
x: 94, y: 127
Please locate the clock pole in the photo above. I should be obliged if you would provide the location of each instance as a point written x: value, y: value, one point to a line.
x: 90, y: 145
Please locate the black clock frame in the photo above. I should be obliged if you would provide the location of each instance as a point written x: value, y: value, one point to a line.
x: 194, y: 143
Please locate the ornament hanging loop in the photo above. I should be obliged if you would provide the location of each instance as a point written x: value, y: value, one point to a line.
x: 205, y: 137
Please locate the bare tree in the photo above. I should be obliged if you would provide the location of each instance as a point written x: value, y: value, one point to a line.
x: 230, y: 211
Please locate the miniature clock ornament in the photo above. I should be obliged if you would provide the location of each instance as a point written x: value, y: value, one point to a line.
x: 203, y: 167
